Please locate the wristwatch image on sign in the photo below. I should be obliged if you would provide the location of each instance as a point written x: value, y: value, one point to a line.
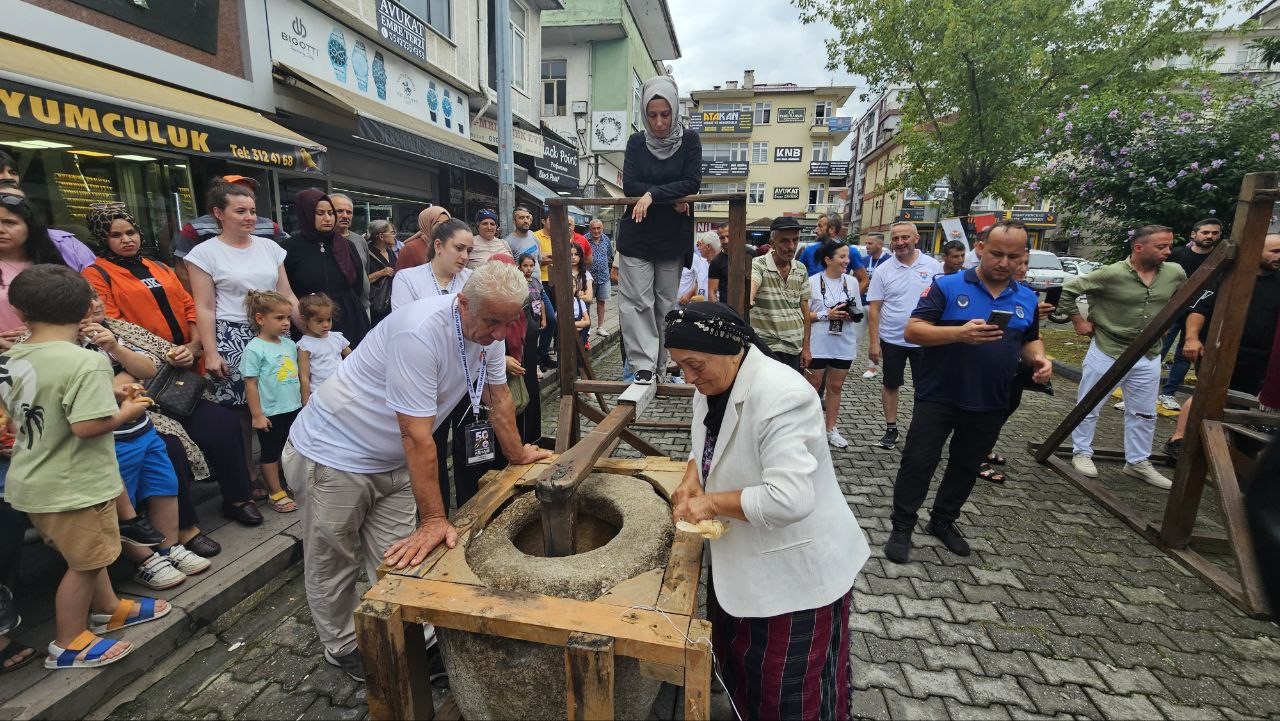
x: 338, y: 55
x: 433, y: 101
x: 446, y: 106
x: 360, y: 66
x: 380, y: 75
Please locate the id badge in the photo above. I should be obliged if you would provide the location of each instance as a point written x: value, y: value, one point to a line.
x: 835, y: 327
x: 480, y: 442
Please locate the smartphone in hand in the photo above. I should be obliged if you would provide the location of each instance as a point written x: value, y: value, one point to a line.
x: 1000, y: 318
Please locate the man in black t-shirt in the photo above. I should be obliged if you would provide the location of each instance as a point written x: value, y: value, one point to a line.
x: 1256, y: 342
x: 718, y: 270
x: 1205, y: 236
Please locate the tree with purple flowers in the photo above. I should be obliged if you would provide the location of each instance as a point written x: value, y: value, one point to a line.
x: 1117, y: 161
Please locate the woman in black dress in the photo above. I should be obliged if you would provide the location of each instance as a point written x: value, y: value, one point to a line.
x: 381, y: 268
x: 321, y: 261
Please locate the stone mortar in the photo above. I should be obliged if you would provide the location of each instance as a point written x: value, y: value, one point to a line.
x: 494, y: 677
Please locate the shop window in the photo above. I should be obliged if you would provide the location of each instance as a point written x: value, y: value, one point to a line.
x: 64, y: 176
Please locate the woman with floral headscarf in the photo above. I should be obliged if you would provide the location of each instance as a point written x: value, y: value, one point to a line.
x: 662, y: 163
x: 321, y: 261
x: 417, y: 249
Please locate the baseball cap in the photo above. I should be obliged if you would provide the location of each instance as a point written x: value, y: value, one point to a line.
x: 242, y: 179
x: 784, y: 222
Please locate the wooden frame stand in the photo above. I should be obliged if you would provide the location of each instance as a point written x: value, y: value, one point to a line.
x: 649, y: 617
x: 1207, y: 448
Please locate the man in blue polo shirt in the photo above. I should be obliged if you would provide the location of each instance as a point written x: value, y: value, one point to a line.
x: 951, y: 324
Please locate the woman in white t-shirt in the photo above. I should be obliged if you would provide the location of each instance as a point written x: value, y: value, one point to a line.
x: 445, y: 271
x: 834, y: 307
x: 223, y: 270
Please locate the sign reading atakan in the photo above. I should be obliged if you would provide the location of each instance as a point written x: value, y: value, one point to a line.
x: 720, y: 121
x: 402, y: 28
x: 42, y: 109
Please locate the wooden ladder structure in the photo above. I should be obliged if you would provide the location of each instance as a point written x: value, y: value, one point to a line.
x: 1208, y: 450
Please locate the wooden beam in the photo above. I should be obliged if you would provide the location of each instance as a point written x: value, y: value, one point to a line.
x: 1218, y: 453
x: 679, y: 592
x: 587, y: 370
x: 697, y: 672
x: 588, y: 675
x: 394, y: 655
x: 1136, y: 350
x: 601, y: 202
x: 625, y: 434
x: 1255, y: 417
x: 674, y: 390
x: 533, y: 617
x: 566, y: 424
x: 1101, y: 494
x: 739, y: 263
x: 1249, y: 232
x: 1101, y: 454
x: 661, y: 424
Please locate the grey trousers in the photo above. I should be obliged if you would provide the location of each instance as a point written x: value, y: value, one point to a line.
x: 343, y: 513
x: 647, y: 290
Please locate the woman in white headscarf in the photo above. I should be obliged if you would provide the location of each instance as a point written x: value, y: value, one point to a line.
x: 663, y: 163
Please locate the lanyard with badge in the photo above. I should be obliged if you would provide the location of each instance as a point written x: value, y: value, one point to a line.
x: 445, y: 291
x: 478, y: 439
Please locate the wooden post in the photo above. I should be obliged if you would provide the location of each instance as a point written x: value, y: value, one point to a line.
x: 1136, y: 350
x: 1248, y: 236
x: 395, y: 656
x: 588, y: 673
x: 697, y: 671
x: 1218, y: 454
x: 739, y: 262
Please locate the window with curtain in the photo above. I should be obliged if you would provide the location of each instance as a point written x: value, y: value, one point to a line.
x: 760, y: 152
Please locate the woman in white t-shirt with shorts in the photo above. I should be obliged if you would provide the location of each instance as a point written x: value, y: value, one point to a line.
x: 223, y: 270
x: 835, y: 305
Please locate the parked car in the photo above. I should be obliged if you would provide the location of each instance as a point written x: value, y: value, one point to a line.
x: 1044, y: 271
x: 1077, y: 266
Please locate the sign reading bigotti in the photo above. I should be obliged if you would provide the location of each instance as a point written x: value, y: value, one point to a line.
x: 308, y: 40
x: 42, y: 109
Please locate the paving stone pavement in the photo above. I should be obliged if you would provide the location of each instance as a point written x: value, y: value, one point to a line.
x: 1060, y: 612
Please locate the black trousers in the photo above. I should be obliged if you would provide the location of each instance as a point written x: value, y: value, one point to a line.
x: 529, y: 423
x: 972, y: 434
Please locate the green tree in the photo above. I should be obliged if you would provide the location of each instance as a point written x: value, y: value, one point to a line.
x: 1119, y: 161
x: 1270, y: 48
x: 984, y: 77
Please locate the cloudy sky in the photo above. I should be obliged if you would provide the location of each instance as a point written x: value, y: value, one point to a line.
x: 774, y: 43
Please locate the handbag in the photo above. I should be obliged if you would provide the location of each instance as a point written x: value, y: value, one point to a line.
x: 519, y: 393
x: 176, y: 391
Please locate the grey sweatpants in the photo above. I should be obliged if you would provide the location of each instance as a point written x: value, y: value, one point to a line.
x: 342, y: 513
x: 646, y: 291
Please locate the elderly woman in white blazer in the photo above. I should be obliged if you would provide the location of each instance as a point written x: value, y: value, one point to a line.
x: 782, y: 575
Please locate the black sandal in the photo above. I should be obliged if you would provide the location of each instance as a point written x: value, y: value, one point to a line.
x: 996, y: 459
x: 987, y: 473
x: 14, y: 649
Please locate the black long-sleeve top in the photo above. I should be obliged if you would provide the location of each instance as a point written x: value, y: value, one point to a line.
x: 664, y: 234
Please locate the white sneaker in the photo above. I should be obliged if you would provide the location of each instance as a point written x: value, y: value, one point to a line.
x: 158, y: 573
x: 871, y: 373
x: 602, y: 332
x: 1119, y: 405
x: 188, y: 562
x: 835, y: 439
x: 1148, y: 473
x: 1169, y: 403
x: 1084, y: 464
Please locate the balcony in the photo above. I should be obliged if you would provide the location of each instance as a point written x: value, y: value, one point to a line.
x: 834, y: 125
x: 824, y: 208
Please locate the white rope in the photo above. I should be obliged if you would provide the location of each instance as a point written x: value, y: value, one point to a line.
x: 715, y: 667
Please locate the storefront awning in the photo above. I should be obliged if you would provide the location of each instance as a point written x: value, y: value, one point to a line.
x: 47, y: 91
x: 541, y: 192
x: 387, y: 126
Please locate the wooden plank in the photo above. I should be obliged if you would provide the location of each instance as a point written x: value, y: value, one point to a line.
x: 1101, y: 494
x: 739, y: 263
x: 600, y: 202
x: 680, y: 582
x: 533, y: 617
x: 559, y: 274
x: 662, y: 423
x: 558, y: 484
x: 566, y: 424
x: 664, y: 482
x: 1213, y: 575
x: 1210, y: 541
x: 1253, y: 417
x: 1213, y: 380
x: 453, y: 566
x: 588, y: 370
x: 588, y: 674
x: 640, y: 590
x: 630, y: 437
x: 672, y: 390
x: 1218, y: 453
x: 1102, y: 454
x: 673, y: 675
x: 1137, y: 349
x: 394, y: 655
x: 1246, y: 432
x: 697, y: 672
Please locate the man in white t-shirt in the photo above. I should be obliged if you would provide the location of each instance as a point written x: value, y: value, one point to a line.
x: 361, y: 452
x: 895, y: 289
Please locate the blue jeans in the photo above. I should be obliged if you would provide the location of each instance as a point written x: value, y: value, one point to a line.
x: 1180, y: 365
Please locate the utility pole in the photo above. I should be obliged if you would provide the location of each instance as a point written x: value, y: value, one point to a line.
x: 506, y: 159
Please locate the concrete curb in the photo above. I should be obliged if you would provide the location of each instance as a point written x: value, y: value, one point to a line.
x: 73, y: 694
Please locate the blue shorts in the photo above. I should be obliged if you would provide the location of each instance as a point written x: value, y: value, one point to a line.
x: 145, y: 467
x: 603, y: 289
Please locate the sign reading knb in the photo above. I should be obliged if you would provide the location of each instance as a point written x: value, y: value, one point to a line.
x: 42, y: 109
x: 787, y: 154
x: 791, y: 115
x: 786, y: 193
x: 720, y: 121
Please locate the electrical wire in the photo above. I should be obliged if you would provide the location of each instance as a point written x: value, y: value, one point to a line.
x: 715, y: 667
